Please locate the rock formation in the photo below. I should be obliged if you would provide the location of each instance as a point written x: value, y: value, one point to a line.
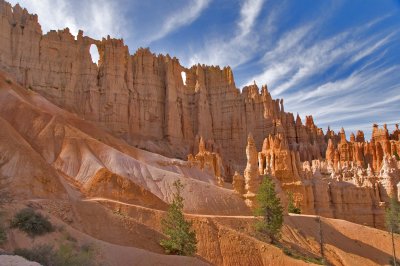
x: 363, y: 153
x: 278, y: 160
x: 342, y: 186
x: 208, y: 161
x: 142, y: 99
x: 251, y: 175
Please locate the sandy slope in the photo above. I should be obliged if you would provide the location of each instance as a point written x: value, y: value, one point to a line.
x: 106, y: 192
x: 345, y: 243
x: 23, y: 170
x: 106, y: 253
x: 80, y: 150
x: 227, y: 240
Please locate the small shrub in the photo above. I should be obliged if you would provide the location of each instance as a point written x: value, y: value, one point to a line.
x: 8, y: 81
x: 67, y: 255
x: 391, y: 262
x: 3, y: 234
x: 68, y: 237
x: 43, y: 254
x: 291, y: 206
x: 296, y: 255
x: 31, y: 222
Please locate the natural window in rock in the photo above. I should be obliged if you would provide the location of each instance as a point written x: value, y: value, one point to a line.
x: 183, y: 74
x: 94, y: 53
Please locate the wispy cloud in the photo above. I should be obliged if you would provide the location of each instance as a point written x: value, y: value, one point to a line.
x: 343, y: 79
x: 182, y: 17
x: 97, y: 18
x: 329, y: 92
x: 366, y: 96
x: 248, y: 15
x: 300, y: 55
x: 234, y: 50
x: 366, y: 51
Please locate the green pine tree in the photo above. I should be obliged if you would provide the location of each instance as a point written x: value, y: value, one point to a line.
x: 269, y: 207
x: 392, y: 220
x: 181, y: 239
x: 291, y: 207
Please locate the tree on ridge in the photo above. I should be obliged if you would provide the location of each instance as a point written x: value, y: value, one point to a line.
x: 268, y: 205
x: 392, y: 220
x: 181, y: 239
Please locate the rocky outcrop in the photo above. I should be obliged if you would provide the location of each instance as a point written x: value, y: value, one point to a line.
x: 278, y: 160
x: 389, y: 177
x: 343, y: 186
x: 251, y: 175
x: 363, y: 175
x: 142, y: 97
x: 363, y: 153
x: 208, y: 161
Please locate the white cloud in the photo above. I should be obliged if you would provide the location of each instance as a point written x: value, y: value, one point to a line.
x: 343, y: 79
x: 365, y: 97
x: 248, y: 15
x: 371, y: 49
x: 96, y: 18
x: 237, y: 49
x: 364, y: 79
x: 300, y: 56
x: 183, y: 17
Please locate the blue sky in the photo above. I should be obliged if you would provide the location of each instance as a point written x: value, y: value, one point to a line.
x: 338, y: 60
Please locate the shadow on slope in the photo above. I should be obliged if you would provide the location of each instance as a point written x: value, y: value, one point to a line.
x: 340, y: 244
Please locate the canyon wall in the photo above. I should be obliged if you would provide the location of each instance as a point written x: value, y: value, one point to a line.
x: 142, y: 97
x: 354, y: 183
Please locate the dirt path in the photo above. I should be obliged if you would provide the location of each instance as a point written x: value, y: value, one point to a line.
x: 155, y: 210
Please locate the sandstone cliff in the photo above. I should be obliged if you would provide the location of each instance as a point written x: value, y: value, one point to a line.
x: 143, y: 98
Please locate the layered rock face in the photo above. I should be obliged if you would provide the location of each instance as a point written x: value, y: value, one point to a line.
x: 345, y: 185
x: 208, y: 161
x: 368, y: 162
x: 278, y: 160
x: 363, y: 153
x: 143, y: 98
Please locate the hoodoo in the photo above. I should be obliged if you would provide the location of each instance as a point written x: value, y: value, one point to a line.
x: 142, y: 99
x: 98, y: 147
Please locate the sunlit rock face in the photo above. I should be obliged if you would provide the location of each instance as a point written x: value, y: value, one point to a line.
x: 344, y: 185
x: 156, y: 104
x: 143, y: 97
x: 208, y: 161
